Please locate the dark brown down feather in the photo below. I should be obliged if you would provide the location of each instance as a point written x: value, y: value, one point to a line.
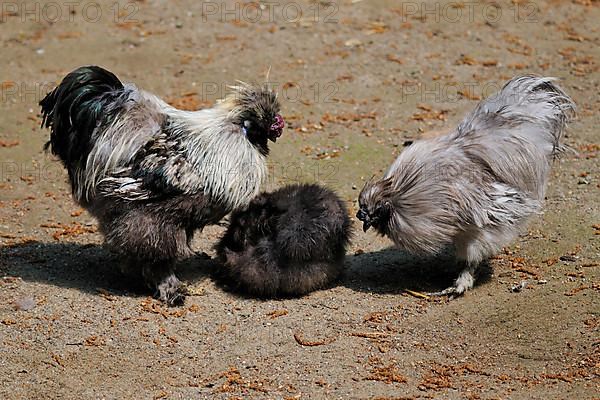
x: 287, y: 243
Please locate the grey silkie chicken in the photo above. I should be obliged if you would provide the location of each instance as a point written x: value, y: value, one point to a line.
x: 475, y: 187
x: 286, y: 243
x: 152, y: 174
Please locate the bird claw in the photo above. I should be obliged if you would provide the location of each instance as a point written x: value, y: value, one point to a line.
x: 464, y: 282
x: 452, y: 292
x: 171, y: 298
x: 172, y: 291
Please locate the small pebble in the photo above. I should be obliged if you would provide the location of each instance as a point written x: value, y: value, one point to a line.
x: 516, y: 288
x: 353, y: 43
x: 568, y: 258
x: 25, y: 303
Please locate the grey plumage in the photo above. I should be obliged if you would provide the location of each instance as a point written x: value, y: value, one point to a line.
x: 152, y: 174
x: 286, y: 243
x: 476, y: 186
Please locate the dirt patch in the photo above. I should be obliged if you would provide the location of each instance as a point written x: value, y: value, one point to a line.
x: 358, y: 81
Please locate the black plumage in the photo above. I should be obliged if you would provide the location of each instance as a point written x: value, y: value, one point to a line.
x: 286, y: 243
x: 74, y: 109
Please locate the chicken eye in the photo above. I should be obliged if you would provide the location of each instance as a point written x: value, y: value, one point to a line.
x: 247, y: 124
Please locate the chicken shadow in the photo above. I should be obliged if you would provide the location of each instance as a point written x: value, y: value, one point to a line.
x: 393, y: 271
x: 90, y: 268
x: 388, y: 271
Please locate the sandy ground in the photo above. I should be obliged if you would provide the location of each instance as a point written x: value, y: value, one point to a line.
x: 358, y: 79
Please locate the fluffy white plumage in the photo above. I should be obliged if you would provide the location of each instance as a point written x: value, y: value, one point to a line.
x: 203, y: 136
x: 476, y: 186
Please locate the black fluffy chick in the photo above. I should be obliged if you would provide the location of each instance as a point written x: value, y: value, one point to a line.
x: 286, y: 243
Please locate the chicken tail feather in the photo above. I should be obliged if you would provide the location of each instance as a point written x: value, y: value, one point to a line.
x: 528, y: 106
x: 73, y: 110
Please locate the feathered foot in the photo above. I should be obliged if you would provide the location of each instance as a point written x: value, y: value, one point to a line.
x: 172, y: 291
x: 159, y: 275
x: 464, y: 282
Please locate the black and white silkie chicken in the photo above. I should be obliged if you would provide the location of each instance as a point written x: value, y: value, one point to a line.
x: 286, y: 243
x: 152, y: 174
x: 475, y: 187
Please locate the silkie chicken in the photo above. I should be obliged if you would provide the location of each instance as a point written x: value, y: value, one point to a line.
x: 476, y: 186
x: 286, y: 243
x: 152, y: 174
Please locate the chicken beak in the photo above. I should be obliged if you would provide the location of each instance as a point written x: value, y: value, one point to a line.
x: 366, y: 226
x: 364, y: 217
